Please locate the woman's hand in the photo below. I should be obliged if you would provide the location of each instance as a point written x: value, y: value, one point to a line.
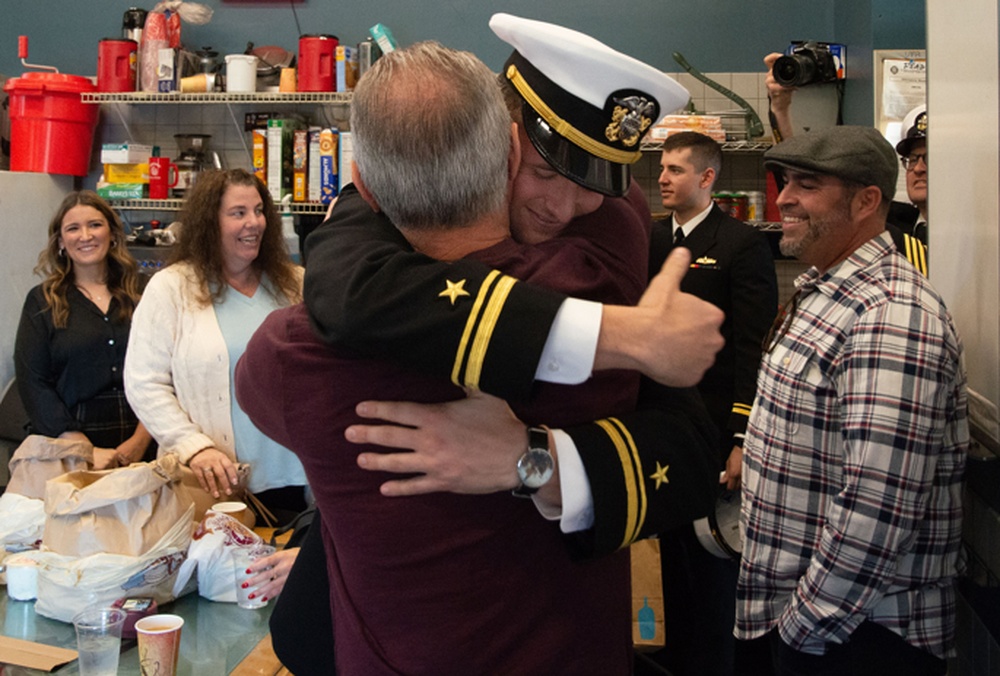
x: 134, y: 448
x: 270, y: 573
x: 215, y: 471
x: 105, y: 458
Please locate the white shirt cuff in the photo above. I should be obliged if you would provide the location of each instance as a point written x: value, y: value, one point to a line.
x: 568, y: 356
x: 577, y: 500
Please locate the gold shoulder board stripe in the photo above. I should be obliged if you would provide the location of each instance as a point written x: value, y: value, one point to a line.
x: 741, y: 409
x: 635, y: 486
x: 916, y: 253
x: 474, y: 345
x: 564, y: 128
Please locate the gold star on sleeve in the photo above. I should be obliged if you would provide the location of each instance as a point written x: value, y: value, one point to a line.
x: 660, y: 475
x: 454, y: 290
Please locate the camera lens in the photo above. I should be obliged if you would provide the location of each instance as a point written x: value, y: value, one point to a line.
x: 794, y: 70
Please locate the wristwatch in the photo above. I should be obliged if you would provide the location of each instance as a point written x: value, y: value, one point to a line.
x: 536, y: 466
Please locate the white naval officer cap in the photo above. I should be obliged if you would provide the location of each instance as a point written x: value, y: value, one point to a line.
x: 914, y: 129
x: 586, y: 106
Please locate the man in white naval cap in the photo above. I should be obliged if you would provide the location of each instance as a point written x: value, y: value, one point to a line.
x: 584, y: 106
x: 912, y: 150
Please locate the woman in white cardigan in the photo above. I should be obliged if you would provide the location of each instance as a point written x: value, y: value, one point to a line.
x: 229, y: 269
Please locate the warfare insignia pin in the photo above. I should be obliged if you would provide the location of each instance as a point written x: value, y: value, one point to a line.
x: 705, y: 260
x: 454, y: 290
x: 630, y: 119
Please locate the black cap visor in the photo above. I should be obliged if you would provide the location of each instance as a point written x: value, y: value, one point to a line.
x: 593, y: 173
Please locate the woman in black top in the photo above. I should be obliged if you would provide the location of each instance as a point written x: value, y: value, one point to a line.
x: 70, y: 348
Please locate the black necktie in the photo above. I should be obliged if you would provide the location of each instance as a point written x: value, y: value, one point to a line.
x: 678, y: 236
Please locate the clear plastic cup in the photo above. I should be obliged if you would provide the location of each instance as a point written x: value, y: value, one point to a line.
x: 98, y: 640
x: 242, y: 558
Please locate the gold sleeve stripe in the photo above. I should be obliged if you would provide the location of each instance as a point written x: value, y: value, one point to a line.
x: 916, y: 253
x: 741, y: 409
x: 564, y: 128
x: 470, y: 323
x: 635, y: 487
x: 484, y: 332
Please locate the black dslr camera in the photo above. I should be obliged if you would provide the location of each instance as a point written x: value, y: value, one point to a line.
x: 808, y: 63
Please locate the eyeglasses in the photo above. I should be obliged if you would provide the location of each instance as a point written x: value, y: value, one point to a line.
x: 781, y: 322
x: 910, y: 161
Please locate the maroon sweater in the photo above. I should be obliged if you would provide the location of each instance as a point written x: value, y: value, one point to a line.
x: 443, y: 583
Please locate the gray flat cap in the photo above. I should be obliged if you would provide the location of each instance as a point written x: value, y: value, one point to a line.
x: 859, y: 154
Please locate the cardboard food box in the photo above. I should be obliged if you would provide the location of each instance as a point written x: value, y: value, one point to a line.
x: 127, y: 173
x: 347, y: 68
x: 328, y: 166
x: 300, y: 165
x: 709, y: 125
x: 124, y: 191
x: 125, y: 153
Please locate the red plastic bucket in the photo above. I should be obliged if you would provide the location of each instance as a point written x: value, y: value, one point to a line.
x: 51, y: 129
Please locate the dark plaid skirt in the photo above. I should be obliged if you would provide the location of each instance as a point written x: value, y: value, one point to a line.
x: 108, y: 420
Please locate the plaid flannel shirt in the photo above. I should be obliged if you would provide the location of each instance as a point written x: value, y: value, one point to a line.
x: 853, y: 462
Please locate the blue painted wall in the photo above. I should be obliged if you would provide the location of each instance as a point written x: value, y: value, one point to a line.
x: 714, y: 36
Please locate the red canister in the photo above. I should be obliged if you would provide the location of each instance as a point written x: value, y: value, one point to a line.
x: 316, y: 63
x: 116, y: 61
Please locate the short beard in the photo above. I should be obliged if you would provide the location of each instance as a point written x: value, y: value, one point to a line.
x: 818, y: 229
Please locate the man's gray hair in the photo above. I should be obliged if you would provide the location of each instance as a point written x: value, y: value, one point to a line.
x: 431, y: 136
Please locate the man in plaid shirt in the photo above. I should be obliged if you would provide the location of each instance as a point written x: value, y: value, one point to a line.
x: 856, y: 445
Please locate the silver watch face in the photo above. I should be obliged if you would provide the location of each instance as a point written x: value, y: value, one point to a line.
x: 535, y: 467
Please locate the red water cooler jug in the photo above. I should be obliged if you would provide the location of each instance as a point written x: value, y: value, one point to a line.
x: 316, y: 63
x: 116, y: 65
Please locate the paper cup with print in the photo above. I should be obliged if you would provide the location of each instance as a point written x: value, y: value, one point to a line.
x: 237, y: 510
x: 159, y: 643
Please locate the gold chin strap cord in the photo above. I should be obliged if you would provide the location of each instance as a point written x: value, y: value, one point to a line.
x: 564, y: 128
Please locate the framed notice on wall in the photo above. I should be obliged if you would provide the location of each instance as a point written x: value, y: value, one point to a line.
x: 900, y: 86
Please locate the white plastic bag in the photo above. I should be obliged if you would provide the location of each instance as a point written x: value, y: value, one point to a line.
x: 163, y: 31
x: 67, y: 584
x: 211, y: 553
x: 22, y: 520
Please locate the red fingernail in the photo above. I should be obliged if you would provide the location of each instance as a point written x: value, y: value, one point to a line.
x: 249, y: 572
x: 264, y: 600
x: 251, y: 596
x: 246, y: 584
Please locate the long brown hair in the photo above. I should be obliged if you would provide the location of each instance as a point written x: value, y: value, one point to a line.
x: 56, y: 268
x: 200, y: 240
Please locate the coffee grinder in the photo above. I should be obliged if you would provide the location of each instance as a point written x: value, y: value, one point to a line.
x: 194, y: 157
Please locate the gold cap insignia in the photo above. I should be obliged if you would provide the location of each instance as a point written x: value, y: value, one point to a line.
x: 629, y: 119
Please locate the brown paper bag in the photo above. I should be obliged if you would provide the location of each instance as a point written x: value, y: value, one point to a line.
x: 121, y: 511
x: 648, y: 632
x: 40, y: 458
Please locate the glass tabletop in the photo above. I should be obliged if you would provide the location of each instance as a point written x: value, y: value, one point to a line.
x: 215, y: 638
